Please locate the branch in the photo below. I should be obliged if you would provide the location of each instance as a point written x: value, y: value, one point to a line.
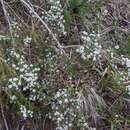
x: 7, y: 17
x: 23, y: 127
x: 45, y: 25
x: 3, y: 116
x: 127, y: 83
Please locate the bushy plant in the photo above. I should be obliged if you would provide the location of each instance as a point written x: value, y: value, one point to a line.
x: 66, y: 62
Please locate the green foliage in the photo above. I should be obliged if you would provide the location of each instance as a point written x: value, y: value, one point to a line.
x: 128, y: 47
x: 67, y: 84
x: 5, y: 71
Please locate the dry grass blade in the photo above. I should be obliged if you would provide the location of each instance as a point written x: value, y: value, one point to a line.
x: 89, y: 100
x: 4, y: 119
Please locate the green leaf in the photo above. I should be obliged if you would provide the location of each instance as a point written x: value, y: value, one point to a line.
x: 67, y: 17
x: 75, y: 3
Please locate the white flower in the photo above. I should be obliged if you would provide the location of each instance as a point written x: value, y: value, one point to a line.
x: 127, y: 62
x: 27, y: 40
x: 84, y: 33
x: 96, y: 52
x: 29, y: 79
x: 37, y: 69
x: 84, y: 38
x: 128, y: 88
x: 116, y: 115
x: 13, y: 65
x: 81, y: 49
x: 15, y: 79
x: 21, y: 76
x: 99, y: 46
x: 128, y: 72
x: 31, y: 65
x: 56, y: 113
x: 30, y: 113
x: 117, y: 47
x: 23, y: 111
x: 22, y: 70
x: 17, y: 56
x: 98, y: 35
x: 70, y: 124
x: 60, y: 102
x: 96, y: 43
x: 105, y: 12
x: 10, y: 86
x: 85, y: 124
x: 93, y: 129
x: 88, y: 56
x: 112, y: 54
x: 83, y: 56
x: 94, y: 58
x: 19, y: 83
x: 88, y: 39
x: 13, y: 97
x: 25, y: 66
x: 34, y: 90
x: 66, y: 101
x: 10, y: 80
x: 57, y: 94
x: 59, y: 119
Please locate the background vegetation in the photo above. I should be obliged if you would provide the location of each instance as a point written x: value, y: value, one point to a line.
x: 64, y: 64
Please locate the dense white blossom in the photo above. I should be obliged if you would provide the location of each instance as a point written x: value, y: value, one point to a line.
x: 54, y: 16
x: 62, y: 111
x: 26, y: 75
x: 25, y: 112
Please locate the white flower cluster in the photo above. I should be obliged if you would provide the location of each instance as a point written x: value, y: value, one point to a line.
x: 13, y: 99
x: 15, y: 28
x: 117, y: 47
x: 55, y: 16
x: 27, y: 40
x: 128, y: 63
x: 124, y: 74
x: 85, y: 36
x: 25, y: 113
x: 91, y: 48
x: 26, y: 74
x: 128, y: 72
x: 66, y: 110
x: 61, y: 128
x: 105, y: 12
x: 81, y: 50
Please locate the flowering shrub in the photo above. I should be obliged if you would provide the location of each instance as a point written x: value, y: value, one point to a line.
x: 66, y: 110
x: 66, y: 63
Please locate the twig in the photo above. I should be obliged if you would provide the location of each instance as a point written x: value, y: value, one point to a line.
x: 3, y: 116
x: 23, y: 127
x: 71, y: 46
x: 19, y: 18
x: 127, y: 83
x: 44, y: 122
x: 7, y: 18
x: 115, y: 101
